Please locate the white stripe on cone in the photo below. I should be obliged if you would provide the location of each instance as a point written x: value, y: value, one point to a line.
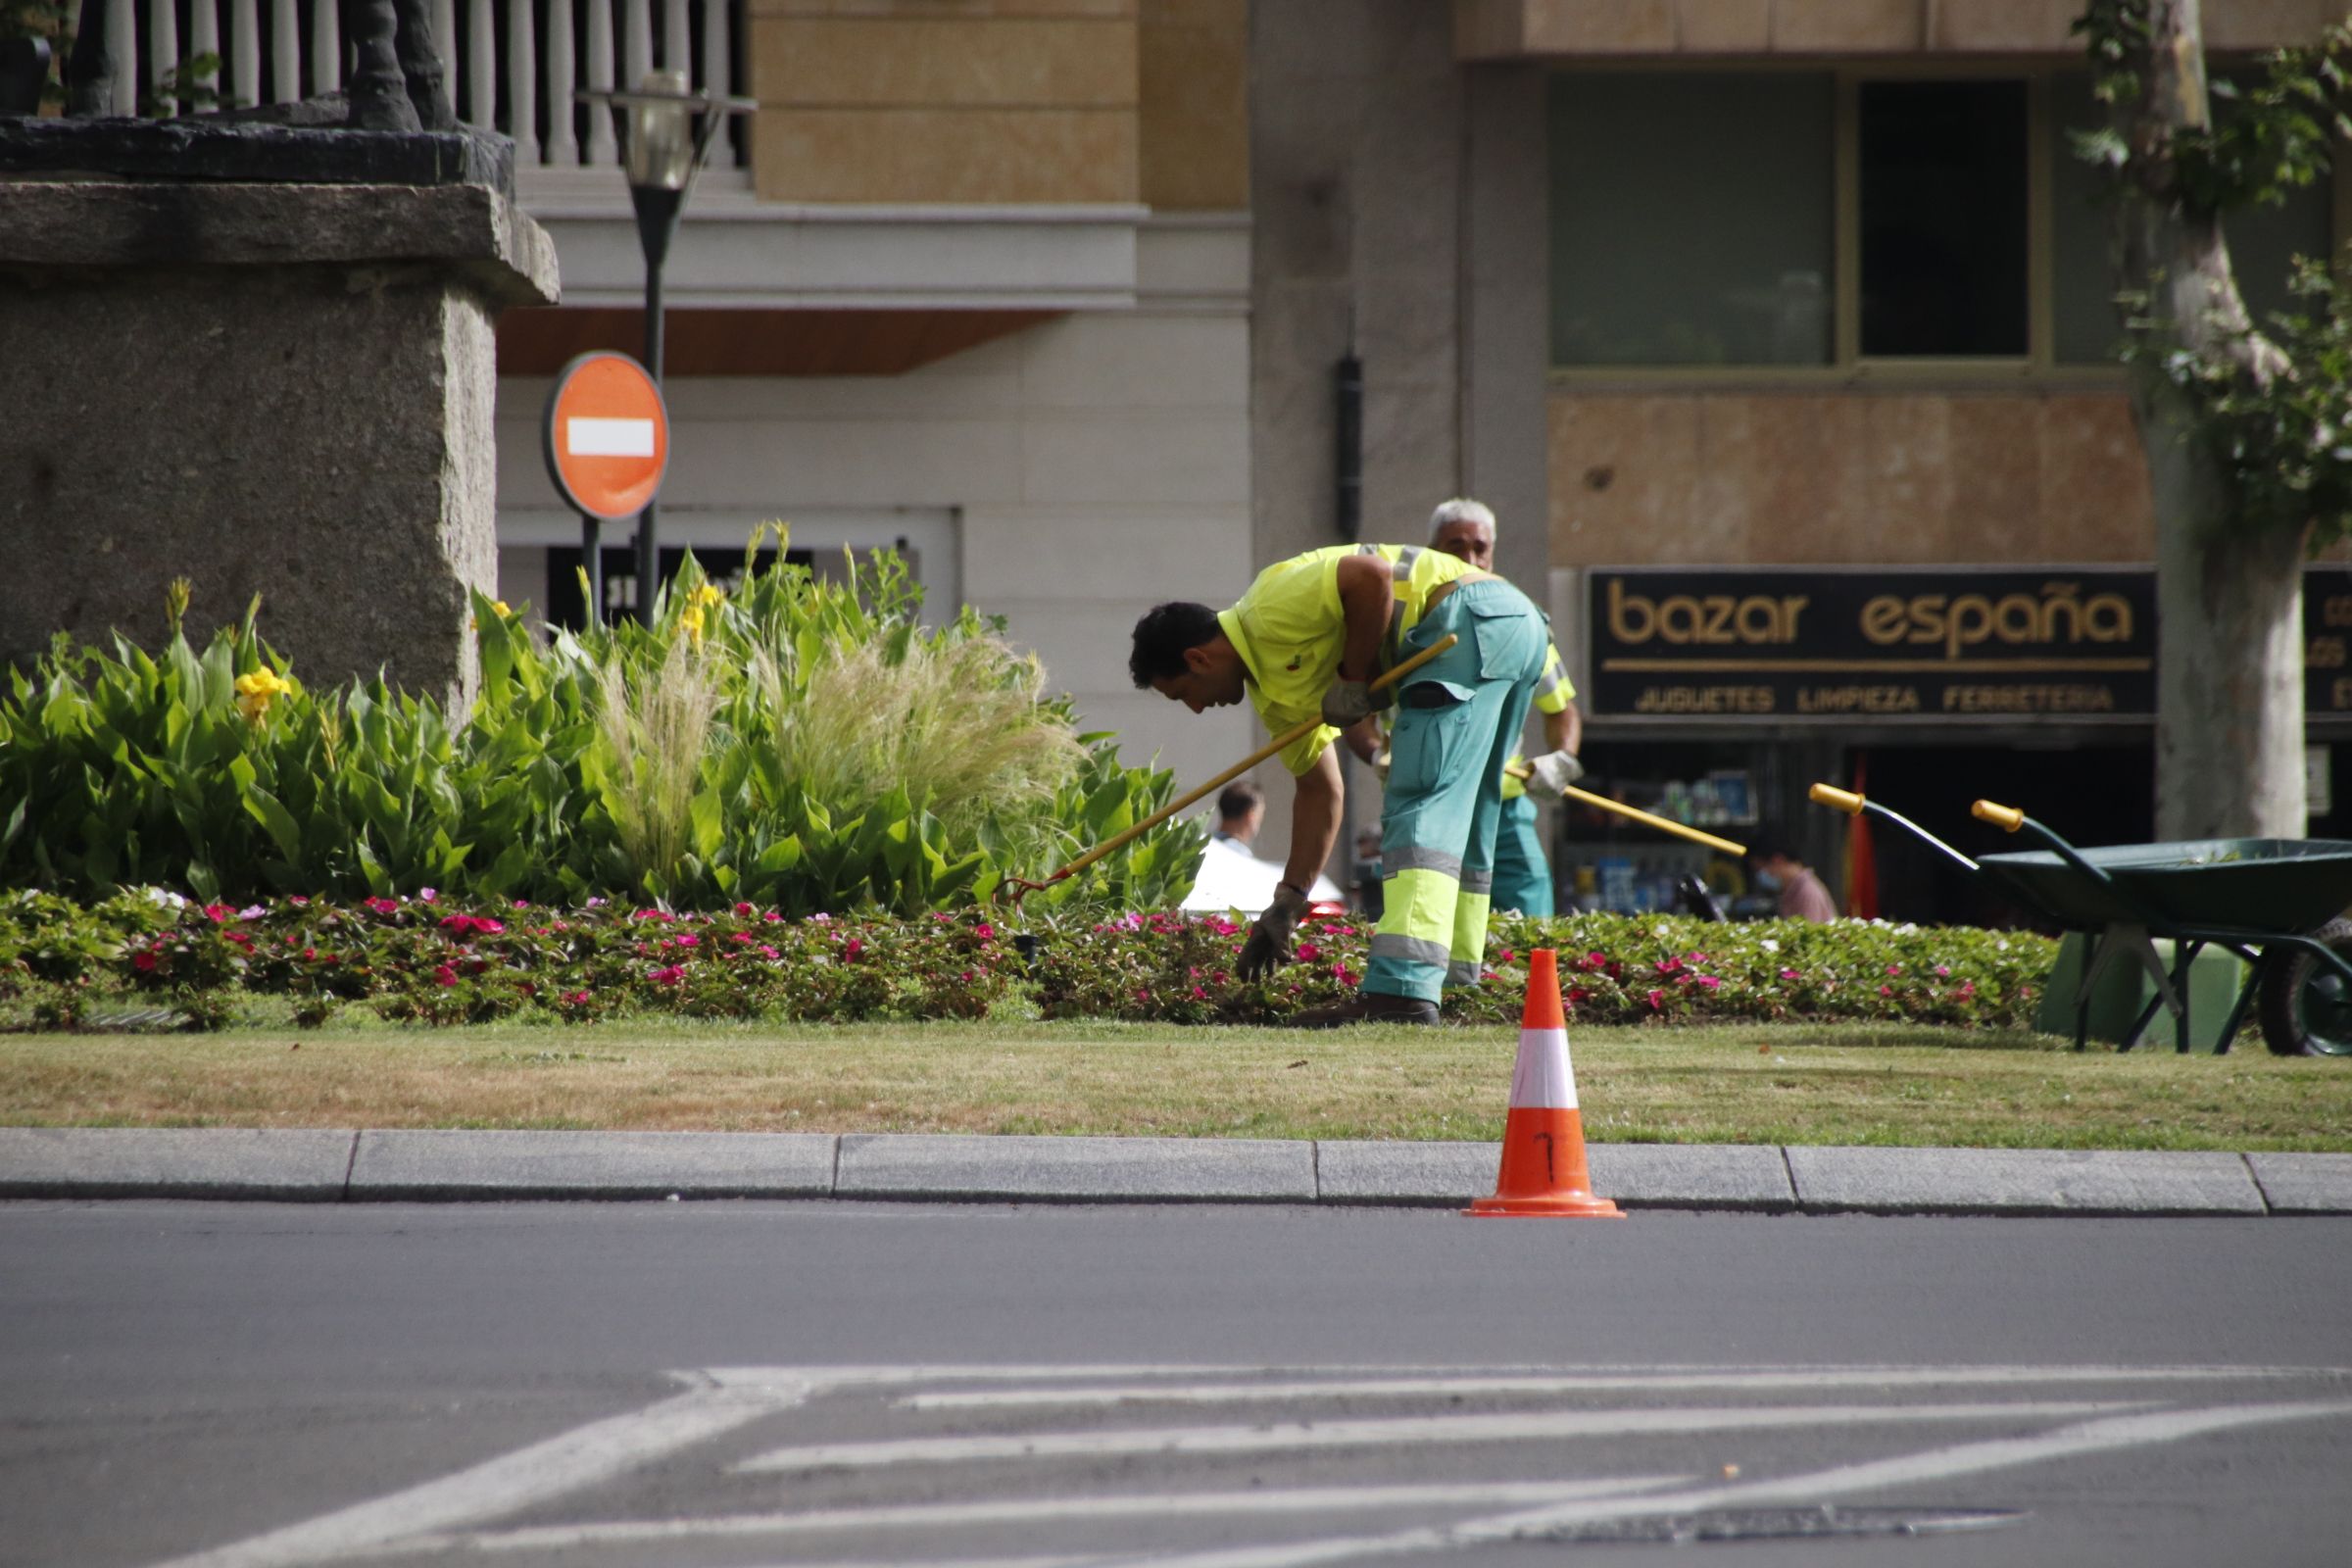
x: 1541, y: 1080
x: 610, y: 438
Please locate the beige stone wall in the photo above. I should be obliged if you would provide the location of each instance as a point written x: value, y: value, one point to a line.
x: 1506, y: 29
x: 953, y: 101
x: 1194, y: 151
x: 1772, y: 477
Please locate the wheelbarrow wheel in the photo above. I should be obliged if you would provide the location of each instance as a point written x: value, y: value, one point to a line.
x: 2306, y: 1005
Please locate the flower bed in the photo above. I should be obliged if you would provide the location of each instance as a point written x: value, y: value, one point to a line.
x: 429, y: 961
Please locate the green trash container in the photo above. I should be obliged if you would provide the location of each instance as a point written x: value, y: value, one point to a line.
x: 2214, y: 978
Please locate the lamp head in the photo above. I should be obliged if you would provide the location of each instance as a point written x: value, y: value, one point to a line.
x: 660, y: 151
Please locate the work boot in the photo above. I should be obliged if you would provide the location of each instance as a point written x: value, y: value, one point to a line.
x: 1367, y: 1007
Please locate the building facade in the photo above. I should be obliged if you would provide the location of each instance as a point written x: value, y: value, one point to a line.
x: 1777, y: 331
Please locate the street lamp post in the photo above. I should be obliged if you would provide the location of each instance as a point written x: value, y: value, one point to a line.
x: 666, y: 130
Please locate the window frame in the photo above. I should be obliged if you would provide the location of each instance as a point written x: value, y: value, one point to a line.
x: 1848, y: 366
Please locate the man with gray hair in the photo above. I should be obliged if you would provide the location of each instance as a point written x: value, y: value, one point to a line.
x: 1465, y: 529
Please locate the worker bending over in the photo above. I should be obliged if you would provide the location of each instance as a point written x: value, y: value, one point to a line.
x: 1302, y: 644
x: 1522, y: 870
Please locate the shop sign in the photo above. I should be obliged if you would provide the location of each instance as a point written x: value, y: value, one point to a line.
x: 1830, y: 645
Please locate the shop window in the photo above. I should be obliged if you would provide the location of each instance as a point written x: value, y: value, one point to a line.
x: 1942, y: 210
x: 2264, y: 241
x: 1691, y: 219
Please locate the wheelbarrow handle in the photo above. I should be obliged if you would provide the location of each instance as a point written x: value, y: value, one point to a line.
x: 1287, y: 738
x: 1837, y: 800
x: 1856, y: 805
x: 2008, y: 818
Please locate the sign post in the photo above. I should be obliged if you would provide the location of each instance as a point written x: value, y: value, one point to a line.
x: 607, y: 440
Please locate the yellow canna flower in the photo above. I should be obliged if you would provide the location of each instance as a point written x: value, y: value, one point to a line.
x: 709, y: 594
x: 691, y: 618
x: 256, y: 691
x: 504, y: 613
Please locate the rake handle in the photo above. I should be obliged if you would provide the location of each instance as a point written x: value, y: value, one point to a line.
x: 1295, y: 733
x: 1663, y: 824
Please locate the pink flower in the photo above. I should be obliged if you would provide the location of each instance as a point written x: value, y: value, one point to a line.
x: 1707, y: 980
x: 820, y: 917
x: 767, y: 952
x: 670, y: 976
x: 1658, y: 1002
x: 446, y: 975
x: 1886, y: 991
x: 1943, y: 971
x: 425, y: 895
x: 218, y: 912
x: 1894, y: 968
x: 743, y: 908
x: 1199, y: 995
x: 144, y: 962
x: 1308, y: 951
x: 740, y: 938
x: 576, y: 997
x: 984, y: 931
x: 1791, y: 974
x: 968, y: 977
x: 690, y: 940
x: 852, y: 948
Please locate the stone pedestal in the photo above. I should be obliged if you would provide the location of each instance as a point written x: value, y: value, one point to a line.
x: 274, y: 388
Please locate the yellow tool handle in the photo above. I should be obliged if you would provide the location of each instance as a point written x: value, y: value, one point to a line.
x: 1831, y: 795
x: 1661, y: 823
x: 1271, y: 748
x: 2008, y: 818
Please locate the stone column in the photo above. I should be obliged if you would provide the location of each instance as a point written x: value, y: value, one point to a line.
x: 273, y: 388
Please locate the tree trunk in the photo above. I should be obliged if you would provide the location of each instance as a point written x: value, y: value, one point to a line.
x: 2230, y: 646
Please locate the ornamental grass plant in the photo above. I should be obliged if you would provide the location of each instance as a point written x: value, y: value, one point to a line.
x: 674, y: 762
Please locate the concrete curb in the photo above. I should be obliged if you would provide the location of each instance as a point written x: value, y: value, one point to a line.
x: 436, y: 1166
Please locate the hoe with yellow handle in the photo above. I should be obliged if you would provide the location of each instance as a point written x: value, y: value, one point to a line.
x: 1023, y: 887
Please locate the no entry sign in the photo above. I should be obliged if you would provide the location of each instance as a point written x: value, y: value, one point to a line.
x: 607, y: 437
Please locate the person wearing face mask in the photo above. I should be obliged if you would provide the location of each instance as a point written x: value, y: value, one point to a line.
x: 1802, y: 896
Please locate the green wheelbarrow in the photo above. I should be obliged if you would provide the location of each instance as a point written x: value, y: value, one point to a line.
x: 2275, y: 903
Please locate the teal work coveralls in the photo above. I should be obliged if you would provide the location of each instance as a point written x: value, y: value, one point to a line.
x: 1458, y: 719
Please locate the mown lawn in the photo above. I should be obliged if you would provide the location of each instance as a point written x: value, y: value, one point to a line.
x: 1762, y: 1084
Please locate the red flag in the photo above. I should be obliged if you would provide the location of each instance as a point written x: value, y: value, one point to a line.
x: 1861, y: 864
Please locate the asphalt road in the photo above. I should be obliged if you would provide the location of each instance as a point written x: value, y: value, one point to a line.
x: 741, y: 1384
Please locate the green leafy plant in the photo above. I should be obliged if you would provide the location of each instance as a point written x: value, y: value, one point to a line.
x: 685, y: 763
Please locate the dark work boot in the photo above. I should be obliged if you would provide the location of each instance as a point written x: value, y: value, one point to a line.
x: 1367, y: 1006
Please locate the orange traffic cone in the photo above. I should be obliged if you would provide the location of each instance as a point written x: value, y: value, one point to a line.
x: 1544, y: 1137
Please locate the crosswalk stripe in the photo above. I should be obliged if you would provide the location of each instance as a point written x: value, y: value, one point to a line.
x: 1591, y: 1382
x: 1046, y: 1510
x: 1302, y: 1435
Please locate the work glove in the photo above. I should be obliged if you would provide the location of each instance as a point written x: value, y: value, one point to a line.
x: 1551, y: 774
x: 1269, y: 946
x: 1350, y: 700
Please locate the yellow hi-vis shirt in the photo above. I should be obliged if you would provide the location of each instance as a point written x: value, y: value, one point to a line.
x: 1290, y: 630
x: 1552, y: 693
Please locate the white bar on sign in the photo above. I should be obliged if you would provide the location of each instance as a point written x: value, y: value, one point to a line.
x: 610, y: 438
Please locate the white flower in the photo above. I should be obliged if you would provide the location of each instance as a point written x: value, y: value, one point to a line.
x: 1769, y: 945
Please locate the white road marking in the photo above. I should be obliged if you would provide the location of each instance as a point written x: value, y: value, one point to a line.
x: 609, y: 438
x: 1290, y: 1435
x: 1594, y: 1382
x: 1044, y: 1510
x: 2090, y: 1436
x: 581, y: 1457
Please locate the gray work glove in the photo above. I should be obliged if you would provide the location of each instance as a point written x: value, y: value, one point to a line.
x: 1551, y: 774
x: 1269, y: 946
x: 1350, y: 700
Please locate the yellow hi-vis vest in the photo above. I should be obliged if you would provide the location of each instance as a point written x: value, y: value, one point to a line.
x: 1290, y: 630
